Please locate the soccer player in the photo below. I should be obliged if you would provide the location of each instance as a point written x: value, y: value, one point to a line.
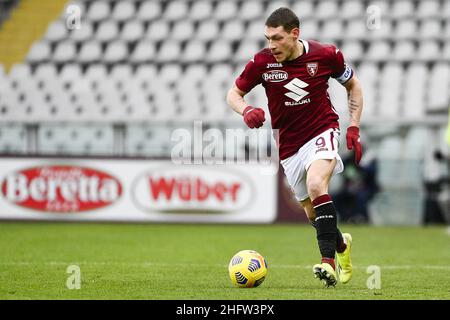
x: 295, y: 74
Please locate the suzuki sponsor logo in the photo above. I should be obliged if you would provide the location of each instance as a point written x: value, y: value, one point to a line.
x: 275, y: 76
x: 192, y: 190
x: 296, y: 92
x: 61, y: 188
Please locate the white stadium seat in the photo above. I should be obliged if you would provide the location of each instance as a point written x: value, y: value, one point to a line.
x: 429, y: 9
x: 352, y: 50
x: 356, y: 29
x: 194, y: 51
x: 246, y: 50
x: 115, y: 52
x: 428, y: 50
x: 40, y: 51
x: 182, y: 30
x: 430, y: 29
x: 415, y: 89
x: 149, y: 10
x: 233, y: 30
x: 143, y: 52
x: 404, y: 50
x: 352, y: 9
x: 56, y: 31
x: 200, y: 10
x: 107, y: 31
x: 326, y: 9
x: 176, y: 10
x: 225, y: 10
x: 158, y: 30
x: 98, y: 11
x: 132, y: 31
x: 220, y: 50
x: 402, y: 9
x: 332, y: 29
x: 378, y: 51
x: 169, y: 51
x: 207, y: 30
x: 123, y: 10
x: 439, y: 82
x: 304, y: 9
x: 90, y: 51
x: 406, y: 29
x: 64, y: 52
x: 83, y: 34
x: 250, y: 10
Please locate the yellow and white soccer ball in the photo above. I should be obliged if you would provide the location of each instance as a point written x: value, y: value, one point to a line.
x: 247, y: 269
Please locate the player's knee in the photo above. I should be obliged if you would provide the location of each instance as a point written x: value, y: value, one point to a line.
x: 309, y: 210
x: 316, y: 187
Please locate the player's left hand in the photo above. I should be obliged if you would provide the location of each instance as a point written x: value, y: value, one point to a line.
x: 354, y: 141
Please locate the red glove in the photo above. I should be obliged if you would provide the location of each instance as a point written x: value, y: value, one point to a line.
x: 254, y: 117
x: 354, y: 141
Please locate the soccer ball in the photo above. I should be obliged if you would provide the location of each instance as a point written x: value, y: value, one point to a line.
x: 247, y: 269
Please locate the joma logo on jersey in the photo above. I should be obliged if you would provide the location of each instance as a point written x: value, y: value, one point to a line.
x: 274, y: 65
x: 275, y: 76
x: 296, y: 92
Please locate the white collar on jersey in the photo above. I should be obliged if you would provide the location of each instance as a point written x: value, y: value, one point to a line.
x: 305, y: 44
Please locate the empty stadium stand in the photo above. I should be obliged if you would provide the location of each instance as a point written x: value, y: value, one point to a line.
x: 137, y: 65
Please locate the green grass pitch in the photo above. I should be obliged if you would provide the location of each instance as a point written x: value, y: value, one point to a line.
x: 161, y: 261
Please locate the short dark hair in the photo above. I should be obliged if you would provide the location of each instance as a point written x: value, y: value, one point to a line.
x: 283, y: 17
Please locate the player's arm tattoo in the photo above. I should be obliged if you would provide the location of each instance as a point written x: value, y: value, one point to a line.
x: 353, y: 107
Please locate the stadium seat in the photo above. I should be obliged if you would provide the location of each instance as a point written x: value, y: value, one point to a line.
x: 378, y: 51
x: 40, y: 51
x: 404, y: 50
x: 45, y: 72
x: 143, y: 52
x: 355, y: 29
x: 304, y: 10
x: 406, y: 29
x: 445, y: 51
x: 182, y: 30
x: 56, y: 31
x: 250, y: 10
x: 170, y: 73
x: 225, y: 10
x: 390, y: 85
x: 246, y: 50
x: 158, y: 30
x: 273, y: 5
x: 352, y: 9
x: 98, y: 11
x: 115, y: 52
x: 132, y: 31
x: 65, y: 51
x: 200, y: 10
x: 207, y: 30
x: 149, y: 10
x: 402, y: 9
x: 352, y: 50
x: 83, y: 34
x: 107, y: 30
x: 445, y: 10
x: 309, y: 29
x: 90, y: 51
x: 430, y: 29
x: 332, y: 29
x: 219, y: 51
x: 255, y: 30
x: 428, y: 9
x: 326, y: 9
x: 169, y: 51
x: 415, y: 86
x: 428, y: 50
x: 232, y: 30
x: 383, y: 32
x: 176, y: 10
x: 439, y: 93
x: 194, y: 51
x: 123, y: 10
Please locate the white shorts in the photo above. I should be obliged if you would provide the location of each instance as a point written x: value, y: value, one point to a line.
x: 323, y: 146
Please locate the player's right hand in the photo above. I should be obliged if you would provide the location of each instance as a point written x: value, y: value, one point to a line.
x: 254, y: 117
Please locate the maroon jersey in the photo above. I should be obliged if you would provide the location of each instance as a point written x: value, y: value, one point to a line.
x: 296, y: 91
